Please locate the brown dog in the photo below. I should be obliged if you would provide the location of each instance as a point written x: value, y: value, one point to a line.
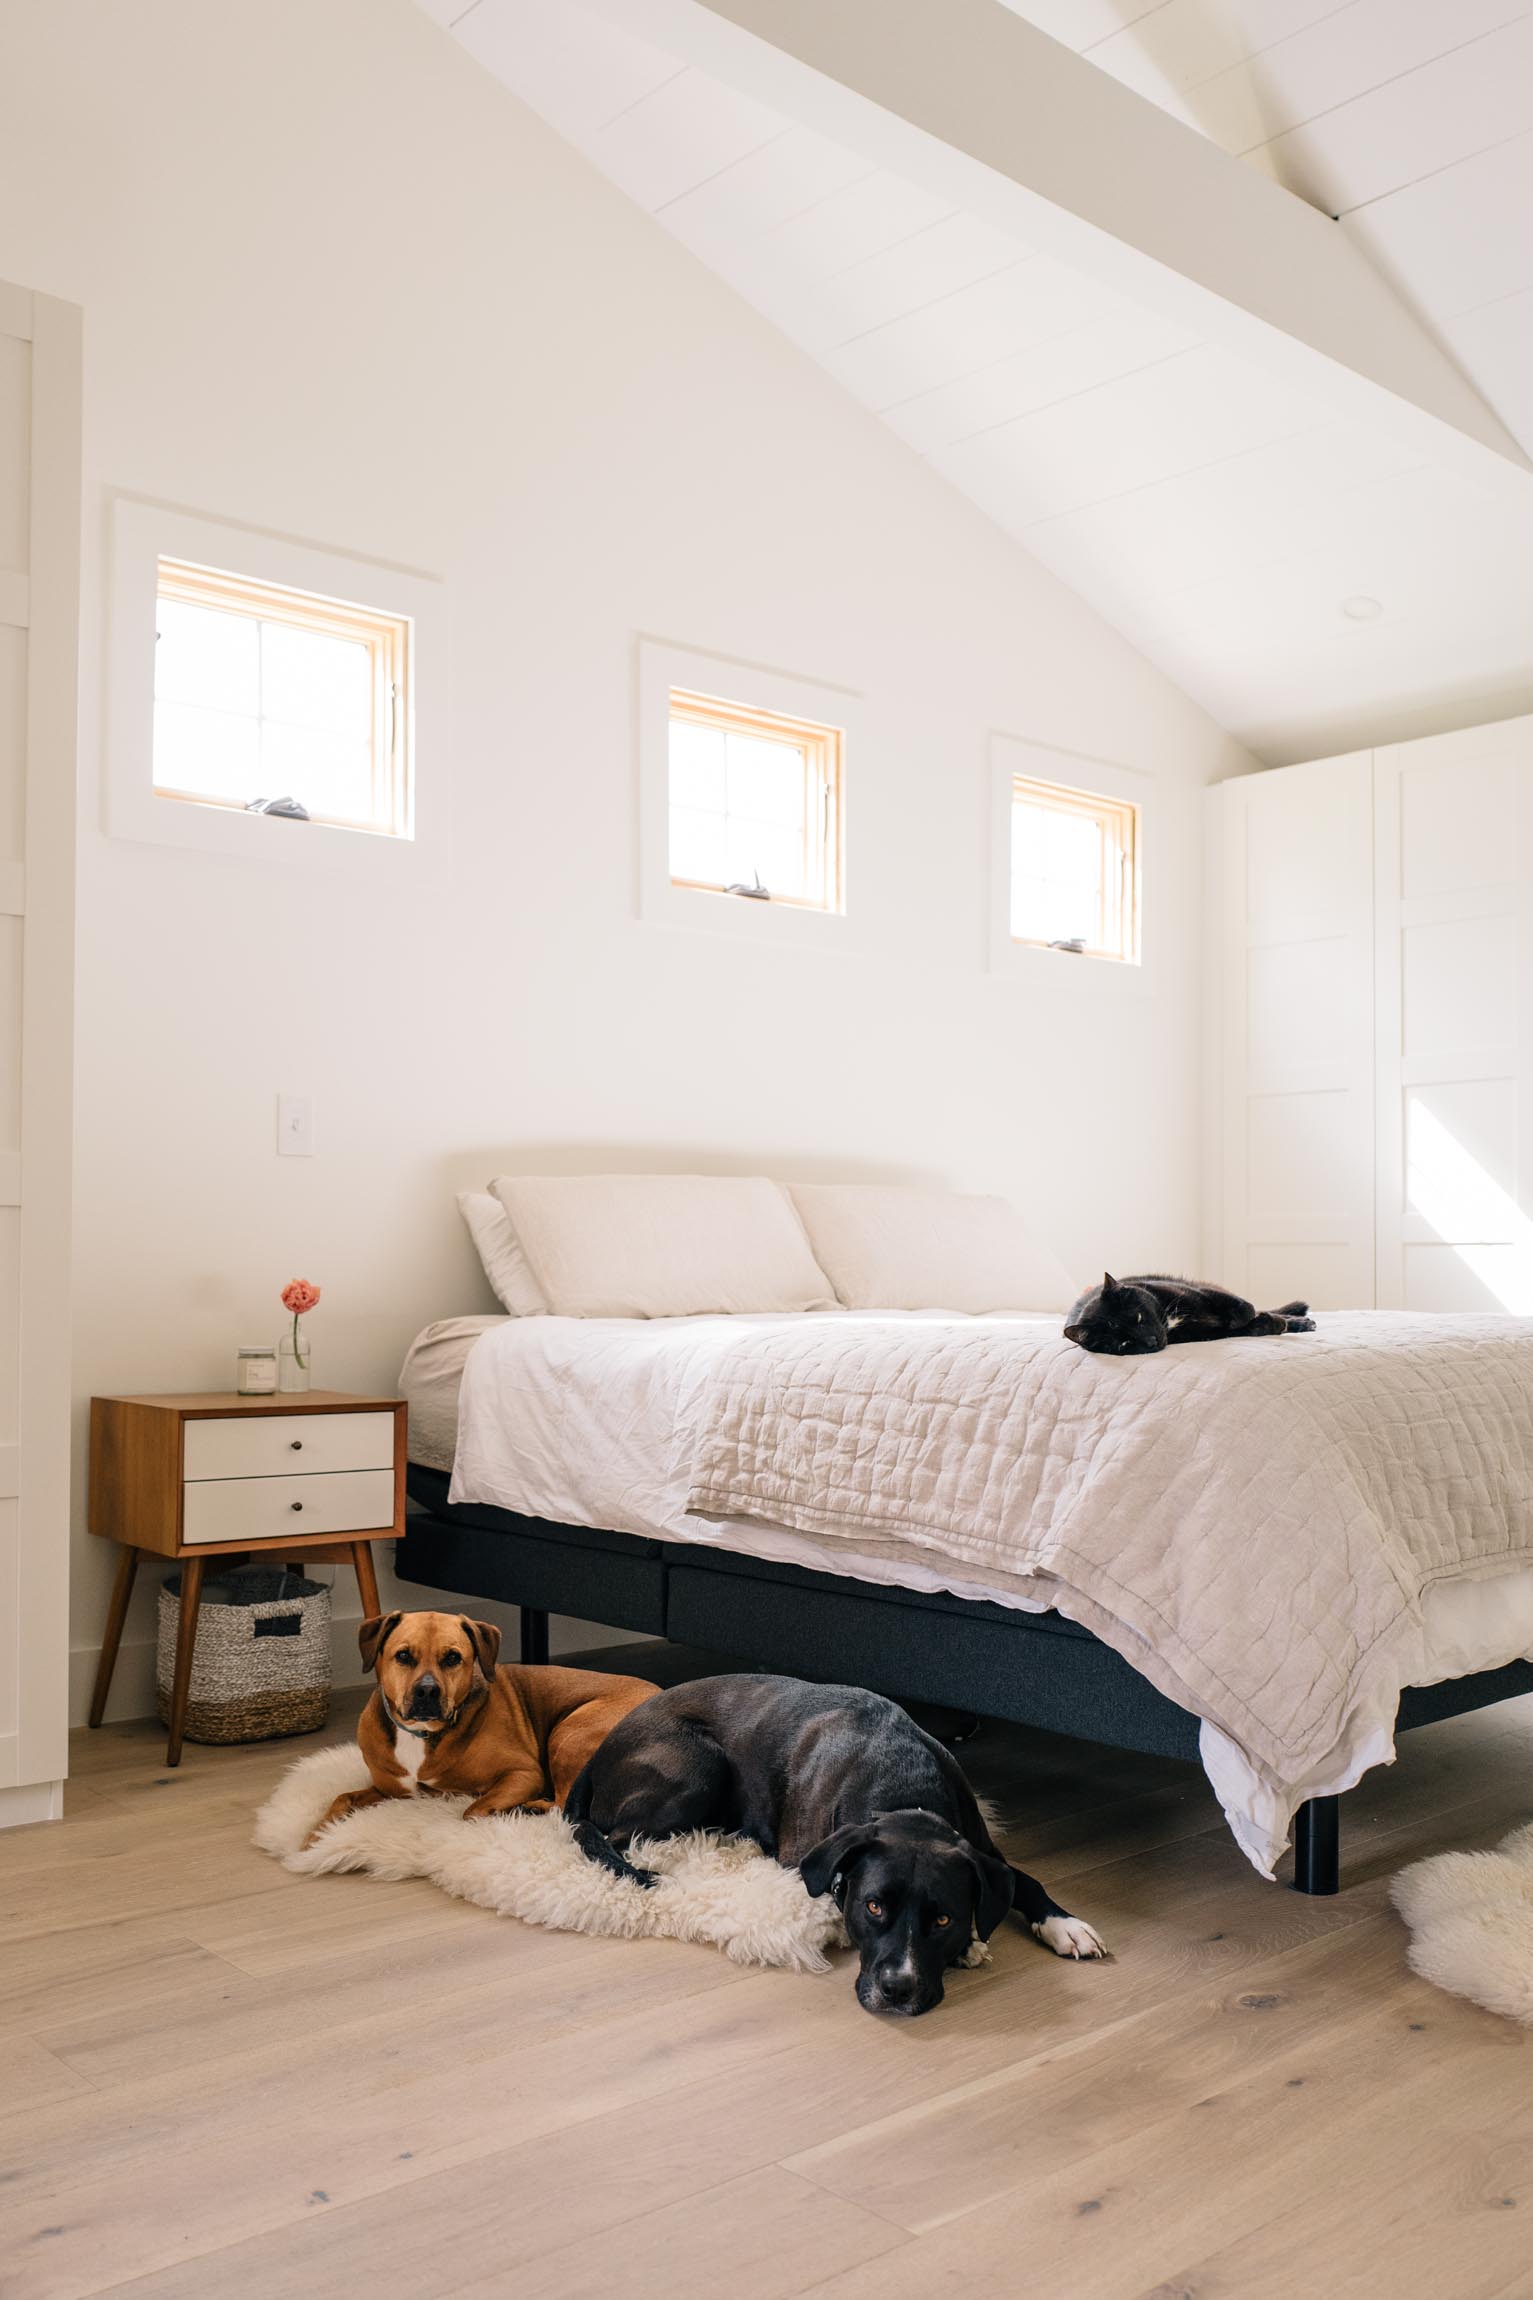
x: 446, y: 1721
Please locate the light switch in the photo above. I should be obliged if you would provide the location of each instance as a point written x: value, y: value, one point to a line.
x: 295, y: 1126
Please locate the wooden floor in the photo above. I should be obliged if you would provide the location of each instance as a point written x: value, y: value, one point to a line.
x: 220, y: 2080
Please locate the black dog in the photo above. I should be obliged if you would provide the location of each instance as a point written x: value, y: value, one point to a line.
x: 840, y: 1784
x: 1134, y: 1317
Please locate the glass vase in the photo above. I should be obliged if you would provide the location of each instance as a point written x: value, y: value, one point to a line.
x: 293, y: 1358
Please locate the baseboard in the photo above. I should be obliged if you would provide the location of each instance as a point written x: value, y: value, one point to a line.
x: 39, y: 1801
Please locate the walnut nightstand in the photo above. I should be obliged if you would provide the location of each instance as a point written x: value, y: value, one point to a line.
x: 312, y: 1475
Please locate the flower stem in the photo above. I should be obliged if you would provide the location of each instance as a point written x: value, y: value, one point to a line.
x: 299, y: 1359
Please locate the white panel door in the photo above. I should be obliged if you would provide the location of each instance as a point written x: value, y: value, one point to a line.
x: 1292, y: 1018
x: 1454, y: 903
x: 39, y: 615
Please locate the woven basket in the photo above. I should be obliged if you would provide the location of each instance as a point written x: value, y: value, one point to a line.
x: 261, y: 1664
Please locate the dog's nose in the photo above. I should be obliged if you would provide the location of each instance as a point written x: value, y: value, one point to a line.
x: 899, y: 1988
x: 427, y: 1684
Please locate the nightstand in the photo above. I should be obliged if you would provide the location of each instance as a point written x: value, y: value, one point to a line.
x: 308, y: 1475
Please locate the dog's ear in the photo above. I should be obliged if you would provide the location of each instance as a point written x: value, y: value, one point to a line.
x: 372, y: 1635
x: 821, y: 1866
x: 993, y: 1889
x: 484, y: 1642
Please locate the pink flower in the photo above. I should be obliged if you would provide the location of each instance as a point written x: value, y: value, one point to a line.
x: 299, y: 1296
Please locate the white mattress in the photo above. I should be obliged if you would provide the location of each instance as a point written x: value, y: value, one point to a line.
x: 590, y: 1422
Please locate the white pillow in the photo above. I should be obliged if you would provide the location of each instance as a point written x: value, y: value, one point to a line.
x: 505, y: 1265
x: 662, y: 1245
x: 895, y: 1249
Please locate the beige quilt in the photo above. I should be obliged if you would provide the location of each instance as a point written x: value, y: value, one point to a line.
x: 1251, y: 1524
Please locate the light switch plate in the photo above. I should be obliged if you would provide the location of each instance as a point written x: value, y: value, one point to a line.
x: 295, y: 1126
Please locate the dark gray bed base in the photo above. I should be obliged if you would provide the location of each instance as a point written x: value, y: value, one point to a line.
x: 1031, y: 1668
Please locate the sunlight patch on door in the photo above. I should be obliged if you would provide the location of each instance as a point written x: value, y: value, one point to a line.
x: 1469, y: 1210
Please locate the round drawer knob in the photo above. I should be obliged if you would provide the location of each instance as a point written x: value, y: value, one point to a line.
x: 296, y: 1444
x: 295, y: 1505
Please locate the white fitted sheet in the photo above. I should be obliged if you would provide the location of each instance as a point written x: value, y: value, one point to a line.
x: 586, y: 1421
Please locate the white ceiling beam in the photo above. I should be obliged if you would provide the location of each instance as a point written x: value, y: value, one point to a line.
x: 977, y: 104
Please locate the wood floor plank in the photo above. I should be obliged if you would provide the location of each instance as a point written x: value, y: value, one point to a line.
x: 232, y: 2015
x: 34, y: 2074
x: 762, y: 2237
x: 94, y: 1969
x: 260, y: 2174
x: 1119, y: 2220
x: 272, y: 1934
x: 110, y: 1831
x: 1445, y: 2218
x: 391, y: 2073
x: 960, y: 2149
x: 155, y: 1878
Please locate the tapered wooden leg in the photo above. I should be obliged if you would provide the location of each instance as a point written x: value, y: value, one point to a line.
x: 367, y: 1580
x: 534, y: 1636
x: 186, y: 1639
x: 116, y: 1615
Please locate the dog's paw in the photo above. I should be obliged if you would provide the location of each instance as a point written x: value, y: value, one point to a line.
x: 1070, y: 1937
x: 977, y: 1953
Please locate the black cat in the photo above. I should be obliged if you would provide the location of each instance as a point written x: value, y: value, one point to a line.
x: 1130, y: 1317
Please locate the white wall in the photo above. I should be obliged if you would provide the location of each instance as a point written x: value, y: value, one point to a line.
x: 337, y: 284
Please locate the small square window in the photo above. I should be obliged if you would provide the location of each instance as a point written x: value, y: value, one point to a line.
x: 754, y: 803
x: 1074, y: 871
x: 264, y: 693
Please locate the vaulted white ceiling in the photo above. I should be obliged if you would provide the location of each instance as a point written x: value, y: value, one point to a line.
x: 1137, y: 425
x: 1410, y: 120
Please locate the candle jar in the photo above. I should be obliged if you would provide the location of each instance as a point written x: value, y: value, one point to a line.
x: 257, y: 1372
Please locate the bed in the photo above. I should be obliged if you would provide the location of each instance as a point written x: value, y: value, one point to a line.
x: 1269, y: 1557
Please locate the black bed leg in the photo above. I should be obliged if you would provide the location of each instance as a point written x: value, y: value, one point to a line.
x: 535, y: 1635
x: 1317, y: 1846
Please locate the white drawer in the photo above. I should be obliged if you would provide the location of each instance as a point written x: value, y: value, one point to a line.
x: 236, y: 1509
x: 285, y: 1445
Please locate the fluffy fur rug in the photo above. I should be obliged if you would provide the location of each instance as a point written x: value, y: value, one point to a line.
x: 527, y: 1865
x: 1471, y: 1922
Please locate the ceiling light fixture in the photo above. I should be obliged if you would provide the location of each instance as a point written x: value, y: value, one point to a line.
x: 1361, y: 609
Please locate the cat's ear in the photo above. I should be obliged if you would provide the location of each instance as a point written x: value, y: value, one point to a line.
x: 1109, y: 1282
x: 1074, y: 1333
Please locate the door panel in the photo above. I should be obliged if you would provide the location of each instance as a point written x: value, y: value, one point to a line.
x: 1454, y: 911
x: 1294, y: 1001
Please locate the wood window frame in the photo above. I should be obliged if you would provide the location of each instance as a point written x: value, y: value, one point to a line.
x: 1117, y: 820
x: 824, y: 749
x: 387, y: 639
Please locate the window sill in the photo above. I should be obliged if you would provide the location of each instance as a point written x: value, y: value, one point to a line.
x: 327, y: 847
x: 703, y: 911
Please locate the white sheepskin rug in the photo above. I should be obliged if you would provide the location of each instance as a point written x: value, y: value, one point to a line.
x: 528, y: 1865
x: 1471, y: 1922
